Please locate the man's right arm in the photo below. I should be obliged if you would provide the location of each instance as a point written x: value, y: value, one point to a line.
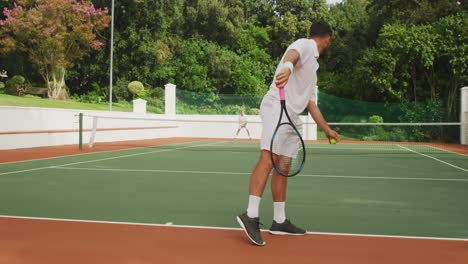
x: 292, y: 56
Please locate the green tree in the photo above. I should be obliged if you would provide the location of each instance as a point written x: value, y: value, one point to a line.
x: 55, y: 34
x: 350, y: 22
x: 292, y: 20
x: 256, y: 68
x: 258, y: 12
x: 219, y: 21
x: 410, y: 11
x: 452, y: 58
x: 403, y: 62
x: 191, y: 66
x: 145, y: 36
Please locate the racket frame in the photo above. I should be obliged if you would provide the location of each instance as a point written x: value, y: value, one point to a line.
x: 290, y: 123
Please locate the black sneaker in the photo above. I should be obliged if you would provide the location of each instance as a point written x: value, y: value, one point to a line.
x: 286, y: 228
x: 251, y: 227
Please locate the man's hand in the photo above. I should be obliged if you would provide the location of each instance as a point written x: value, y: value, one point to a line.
x: 282, y: 78
x: 321, y: 123
x: 330, y: 133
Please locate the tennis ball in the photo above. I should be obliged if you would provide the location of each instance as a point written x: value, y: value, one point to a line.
x: 332, y: 141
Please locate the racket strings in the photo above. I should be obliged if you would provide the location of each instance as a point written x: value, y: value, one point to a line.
x: 287, y: 150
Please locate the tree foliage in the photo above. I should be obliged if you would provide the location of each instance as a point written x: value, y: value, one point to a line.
x: 54, y: 33
x: 388, y: 51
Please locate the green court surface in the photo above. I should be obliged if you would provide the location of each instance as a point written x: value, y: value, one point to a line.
x: 359, y: 189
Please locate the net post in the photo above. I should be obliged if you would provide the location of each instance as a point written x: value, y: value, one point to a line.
x: 464, y: 116
x: 80, y: 137
x: 93, y: 132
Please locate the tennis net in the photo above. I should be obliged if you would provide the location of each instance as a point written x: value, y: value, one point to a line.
x: 399, y: 137
x: 362, y: 137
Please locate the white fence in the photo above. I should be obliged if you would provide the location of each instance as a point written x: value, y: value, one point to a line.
x: 26, y: 127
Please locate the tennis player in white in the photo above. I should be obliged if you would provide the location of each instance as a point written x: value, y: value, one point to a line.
x: 243, y: 124
x: 297, y: 73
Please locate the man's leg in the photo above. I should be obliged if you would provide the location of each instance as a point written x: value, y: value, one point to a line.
x: 259, y: 176
x: 279, y: 186
x: 269, y: 113
x: 248, y: 133
x: 281, y: 225
x: 249, y: 221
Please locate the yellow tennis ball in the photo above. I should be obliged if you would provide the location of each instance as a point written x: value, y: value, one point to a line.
x: 332, y: 141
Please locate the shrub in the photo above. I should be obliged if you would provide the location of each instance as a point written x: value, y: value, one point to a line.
x: 353, y: 118
x: 155, y: 101
x: 156, y: 93
x: 142, y: 94
x: 120, y: 90
x: 376, y: 119
x: 16, y: 82
x: 92, y: 97
x: 135, y: 88
x: 232, y: 109
x: 254, y: 111
x: 208, y: 111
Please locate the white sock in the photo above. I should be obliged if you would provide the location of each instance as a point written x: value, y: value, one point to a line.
x: 279, y: 212
x: 254, y: 204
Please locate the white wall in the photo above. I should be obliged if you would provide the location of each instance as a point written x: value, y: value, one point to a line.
x: 24, y: 119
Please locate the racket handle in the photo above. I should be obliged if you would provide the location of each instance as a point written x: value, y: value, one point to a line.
x: 282, y: 95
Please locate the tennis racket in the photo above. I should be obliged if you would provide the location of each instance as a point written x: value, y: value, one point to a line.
x: 287, y: 149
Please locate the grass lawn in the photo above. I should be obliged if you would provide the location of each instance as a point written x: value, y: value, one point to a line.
x: 34, y: 101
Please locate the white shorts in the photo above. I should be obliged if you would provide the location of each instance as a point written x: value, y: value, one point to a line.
x: 270, y: 110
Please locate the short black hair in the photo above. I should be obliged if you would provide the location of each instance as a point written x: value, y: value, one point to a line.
x: 321, y: 29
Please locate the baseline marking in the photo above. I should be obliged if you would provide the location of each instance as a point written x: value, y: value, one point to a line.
x: 225, y: 228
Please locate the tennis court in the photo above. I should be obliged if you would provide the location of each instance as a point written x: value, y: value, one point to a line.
x: 382, y: 196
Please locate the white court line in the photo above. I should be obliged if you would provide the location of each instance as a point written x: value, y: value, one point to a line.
x: 248, y: 173
x: 225, y: 228
x: 97, y: 152
x: 436, y: 159
x: 20, y: 171
x: 110, y: 158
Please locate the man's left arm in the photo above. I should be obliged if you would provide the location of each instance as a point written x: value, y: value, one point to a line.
x: 320, y: 120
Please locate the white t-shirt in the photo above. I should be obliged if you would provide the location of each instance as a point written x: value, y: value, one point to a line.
x: 242, y: 120
x: 302, y: 83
